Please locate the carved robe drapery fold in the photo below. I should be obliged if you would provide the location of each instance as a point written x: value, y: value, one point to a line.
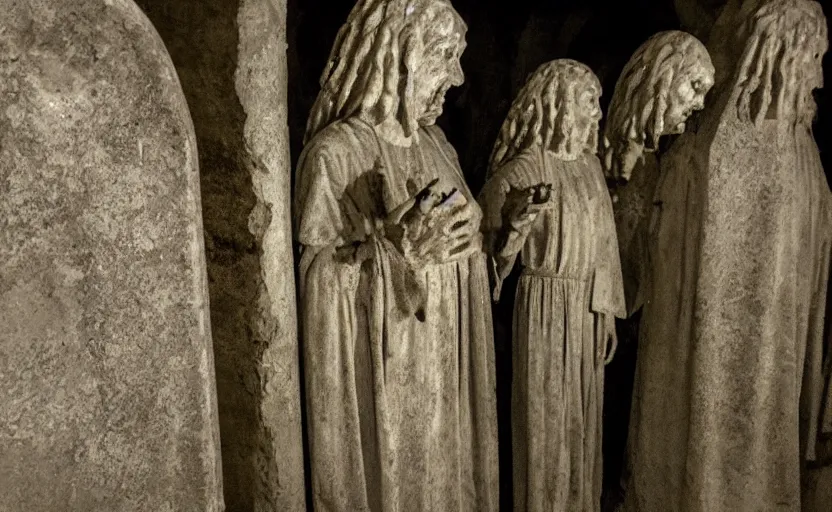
x: 570, y: 273
x: 401, y: 412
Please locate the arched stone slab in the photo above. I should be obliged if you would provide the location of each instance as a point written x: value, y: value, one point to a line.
x: 106, y: 365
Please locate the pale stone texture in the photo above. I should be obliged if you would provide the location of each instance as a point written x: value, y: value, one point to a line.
x: 230, y: 58
x: 106, y: 367
x: 665, y: 80
x: 261, y: 87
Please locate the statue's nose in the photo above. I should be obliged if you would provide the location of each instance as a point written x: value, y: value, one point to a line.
x: 457, y: 75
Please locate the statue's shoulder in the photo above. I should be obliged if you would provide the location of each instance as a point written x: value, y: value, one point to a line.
x: 525, y: 166
x: 342, y: 139
x: 437, y: 135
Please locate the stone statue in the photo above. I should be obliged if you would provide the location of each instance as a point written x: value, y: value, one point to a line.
x: 729, y: 384
x: 664, y: 81
x: 398, y: 341
x: 546, y: 200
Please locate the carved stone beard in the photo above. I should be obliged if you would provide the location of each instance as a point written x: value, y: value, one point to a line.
x: 809, y: 108
x: 684, y: 100
x: 583, y: 135
x: 435, y: 72
x: 435, y: 106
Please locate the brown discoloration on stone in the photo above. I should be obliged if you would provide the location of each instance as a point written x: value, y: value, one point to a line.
x: 105, y: 342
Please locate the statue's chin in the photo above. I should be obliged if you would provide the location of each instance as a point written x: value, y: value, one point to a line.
x: 679, y: 128
x: 429, y: 118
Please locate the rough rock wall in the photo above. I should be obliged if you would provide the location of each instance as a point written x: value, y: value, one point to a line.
x: 107, y: 400
x: 230, y: 57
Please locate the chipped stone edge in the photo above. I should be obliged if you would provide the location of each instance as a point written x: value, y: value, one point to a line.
x: 261, y: 85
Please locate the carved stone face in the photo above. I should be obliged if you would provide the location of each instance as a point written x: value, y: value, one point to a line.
x: 686, y: 96
x: 438, y: 71
x: 588, y: 117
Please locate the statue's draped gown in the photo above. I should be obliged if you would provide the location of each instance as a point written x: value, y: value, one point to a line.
x: 730, y: 392
x: 570, y: 272
x: 402, y: 413
x: 632, y: 217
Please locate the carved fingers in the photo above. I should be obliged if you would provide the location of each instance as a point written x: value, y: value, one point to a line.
x: 434, y: 227
x: 524, y: 205
x: 422, y: 201
x: 610, y: 339
x: 607, y: 341
x: 449, y: 234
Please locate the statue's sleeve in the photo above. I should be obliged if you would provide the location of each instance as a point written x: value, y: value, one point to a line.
x: 329, y: 316
x: 495, y: 229
x: 607, y: 282
x: 632, y: 219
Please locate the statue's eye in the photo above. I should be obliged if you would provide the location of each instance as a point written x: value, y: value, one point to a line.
x: 697, y: 86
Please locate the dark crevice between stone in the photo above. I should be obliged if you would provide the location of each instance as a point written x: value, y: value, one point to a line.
x: 202, y: 37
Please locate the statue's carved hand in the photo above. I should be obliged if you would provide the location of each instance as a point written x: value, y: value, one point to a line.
x: 434, y: 227
x: 520, y: 210
x: 608, y: 338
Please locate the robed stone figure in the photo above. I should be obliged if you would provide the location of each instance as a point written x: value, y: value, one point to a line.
x: 397, y: 334
x: 729, y: 387
x: 547, y: 208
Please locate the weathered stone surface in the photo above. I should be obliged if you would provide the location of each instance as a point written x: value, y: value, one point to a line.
x: 817, y: 493
x: 229, y: 57
x: 665, y: 80
x: 106, y: 367
x: 730, y: 397
x: 261, y: 82
x: 397, y: 332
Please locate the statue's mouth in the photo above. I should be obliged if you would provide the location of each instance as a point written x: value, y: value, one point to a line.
x: 439, y: 96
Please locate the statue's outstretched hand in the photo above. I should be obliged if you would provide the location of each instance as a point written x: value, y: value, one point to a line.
x: 521, y: 208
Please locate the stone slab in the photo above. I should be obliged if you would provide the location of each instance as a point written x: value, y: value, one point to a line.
x: 106, y: 365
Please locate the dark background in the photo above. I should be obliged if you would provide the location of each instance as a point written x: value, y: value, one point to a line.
x: 507, y: 40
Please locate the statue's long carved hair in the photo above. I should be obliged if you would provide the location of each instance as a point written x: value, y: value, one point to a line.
x: 635, y: 117
x: 771, y: 71
x: 370, y: 67
x: 545, y: 113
